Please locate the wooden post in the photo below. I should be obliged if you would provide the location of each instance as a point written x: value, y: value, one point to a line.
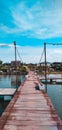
x: 15, y: 53
x: 45, y: 67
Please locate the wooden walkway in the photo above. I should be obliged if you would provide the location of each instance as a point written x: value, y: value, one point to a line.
x: 30, y: 109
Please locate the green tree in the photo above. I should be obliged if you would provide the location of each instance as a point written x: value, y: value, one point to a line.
x: 0, y: 64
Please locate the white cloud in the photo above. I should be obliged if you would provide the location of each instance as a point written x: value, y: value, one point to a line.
x: 9, y: 30
x: 30, y: 54
x: 42, y: 20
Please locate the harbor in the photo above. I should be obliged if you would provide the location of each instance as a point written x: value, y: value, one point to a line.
x: 30, y: 108
x: 31, y: 65
x: 28, y: 94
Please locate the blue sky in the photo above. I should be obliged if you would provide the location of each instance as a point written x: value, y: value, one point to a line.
x: 30, y: 23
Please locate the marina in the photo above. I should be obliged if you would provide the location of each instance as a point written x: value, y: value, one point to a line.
x: 52, y: 78
x: 31, y: 65
x: 30, y: 109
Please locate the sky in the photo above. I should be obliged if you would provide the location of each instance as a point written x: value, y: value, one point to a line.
x: 31, y: 23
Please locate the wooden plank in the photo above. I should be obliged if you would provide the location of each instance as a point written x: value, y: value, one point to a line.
x: 7, y: 91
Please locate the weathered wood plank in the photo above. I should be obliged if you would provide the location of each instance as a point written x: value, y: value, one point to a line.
x: 7, y: 91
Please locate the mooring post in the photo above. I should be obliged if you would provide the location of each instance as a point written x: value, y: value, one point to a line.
x: 15, y: 53
x: 45, y: 67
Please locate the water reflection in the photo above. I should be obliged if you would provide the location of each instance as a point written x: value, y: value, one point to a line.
x: 55, y: 93
x: 9, y: 81
x: 3, y: 105
x: 15, y: 81
x: 54, y: 90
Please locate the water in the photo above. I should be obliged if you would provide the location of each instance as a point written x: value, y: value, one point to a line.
x: 9, y: 81
x: 3, y: 105
x: 55, y: 93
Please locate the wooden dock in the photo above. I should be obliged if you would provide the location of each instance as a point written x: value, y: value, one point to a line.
x: 30, y: 109
x: 7, y: 91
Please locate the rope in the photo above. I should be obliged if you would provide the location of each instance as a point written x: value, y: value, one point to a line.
x: 19, y: 55
x: 41, y: 56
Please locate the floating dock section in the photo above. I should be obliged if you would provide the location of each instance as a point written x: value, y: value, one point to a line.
x: 7, y: 91
x: 30, y: 109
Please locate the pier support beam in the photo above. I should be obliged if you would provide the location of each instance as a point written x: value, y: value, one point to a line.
x: 15, y: 54
x: 45, y: 67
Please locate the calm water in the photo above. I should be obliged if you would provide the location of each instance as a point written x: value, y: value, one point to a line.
x: 55, y: 93
x: 7, y: 81
x: 10, y: 81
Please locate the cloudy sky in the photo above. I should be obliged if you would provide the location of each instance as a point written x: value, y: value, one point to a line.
x: 31, y: 23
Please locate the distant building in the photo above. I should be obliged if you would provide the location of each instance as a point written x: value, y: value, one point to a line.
x: 57, y: 65
x: 43, y: 64
x: 17, y: 63
x: 8, y: 64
